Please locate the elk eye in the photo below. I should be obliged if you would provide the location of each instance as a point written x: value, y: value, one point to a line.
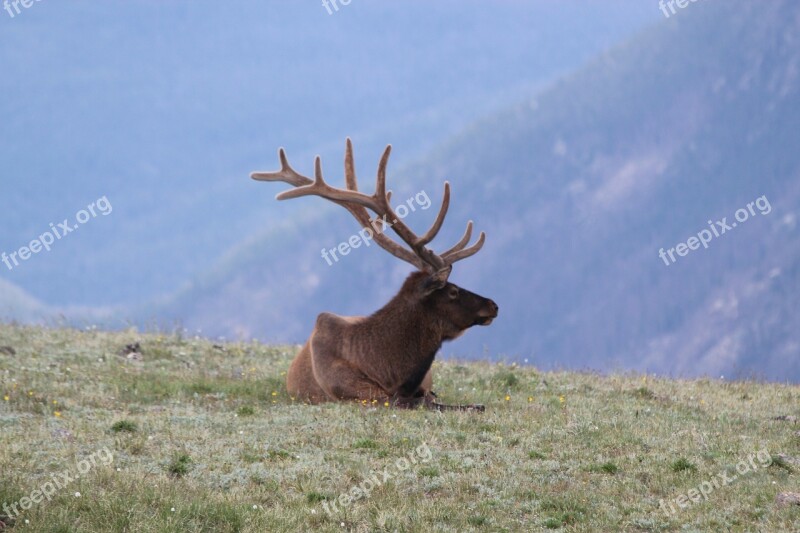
x: 453, y: 294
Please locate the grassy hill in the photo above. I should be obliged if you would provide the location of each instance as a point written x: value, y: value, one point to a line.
x: 184, y: 434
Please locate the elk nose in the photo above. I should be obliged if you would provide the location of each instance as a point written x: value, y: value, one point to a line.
x: 493, y: 307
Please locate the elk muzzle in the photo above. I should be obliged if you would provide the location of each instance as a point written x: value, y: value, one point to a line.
x: 487, y: 314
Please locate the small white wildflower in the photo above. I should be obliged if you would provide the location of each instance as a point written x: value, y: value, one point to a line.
x: 173, y: 509
x: 313, y: 511
x: 119, y: 470
x: 27, y: 521
x: 77, y: 494
x: 241, y: 433
x: 255, y: 507
x: 149, y: 437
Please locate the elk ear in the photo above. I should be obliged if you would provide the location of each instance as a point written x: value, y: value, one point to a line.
x: 436, y: 281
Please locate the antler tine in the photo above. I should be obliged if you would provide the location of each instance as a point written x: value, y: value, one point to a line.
x: 437, y: 225
x: 463, y: 254
x: 286, y: 174
x: 320, y: 188
x: 380, y: 186
x: 363, y: 218
x: 350, y: 166
x: 432, y: 261
x: 461, y: 243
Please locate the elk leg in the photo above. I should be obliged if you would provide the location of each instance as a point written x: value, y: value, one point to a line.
x: 427, y: 382
x: 300, y: 381
x: 428, y: 401
x: 342, y: 381
x: 432, y: 405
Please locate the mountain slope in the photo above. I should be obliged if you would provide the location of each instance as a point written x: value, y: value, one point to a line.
x: 162, y: 106
x: 17, y: 304
x: 579, y: 189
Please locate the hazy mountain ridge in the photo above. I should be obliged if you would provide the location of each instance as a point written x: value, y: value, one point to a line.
x: 17, y: 304
x: 163, y: 107
x: 582, y: 186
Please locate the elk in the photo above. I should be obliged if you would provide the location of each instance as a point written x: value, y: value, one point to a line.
x: 386, y: 356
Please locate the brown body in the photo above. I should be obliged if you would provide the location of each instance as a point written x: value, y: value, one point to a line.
x: 387, y: 356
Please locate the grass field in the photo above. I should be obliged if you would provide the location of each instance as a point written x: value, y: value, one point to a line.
x: 188, y: 435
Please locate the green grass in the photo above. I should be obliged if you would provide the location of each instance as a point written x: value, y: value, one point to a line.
x: 124, y: 426
x: 683, y: 464
x: 180, y: 465
x: 207, y: 439
x: 608, y: 468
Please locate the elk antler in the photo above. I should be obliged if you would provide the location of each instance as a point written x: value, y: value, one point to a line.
x: 357, y: 204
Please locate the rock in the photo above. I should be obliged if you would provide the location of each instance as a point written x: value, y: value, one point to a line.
x: 131, y: 348
x: 132, y: 352
x: 8, y: 350
x: 787, y: 418
x: 60, y: 433
x: 788, y: 498
x: 788, y: 459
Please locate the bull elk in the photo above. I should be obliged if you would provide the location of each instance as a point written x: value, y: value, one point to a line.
x: 386, y: 356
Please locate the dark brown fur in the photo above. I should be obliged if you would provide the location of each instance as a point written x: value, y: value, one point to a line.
x: 387, y: 356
